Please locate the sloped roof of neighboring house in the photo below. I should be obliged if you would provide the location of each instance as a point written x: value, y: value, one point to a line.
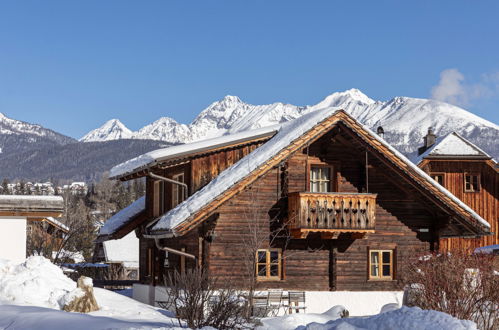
x: 453, y: 146
x: 115, y: 227
x: 31, y: 205
x: 124, y: 250
x: 293, y: 136
x: 57, y: 224
x: 154, y: 157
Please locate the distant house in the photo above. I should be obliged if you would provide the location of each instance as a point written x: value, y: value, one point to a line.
x: 470, y: 174
x: 117, y: 244
x: 46, y: 231
x: 15, y: 213
x: 320, y: 203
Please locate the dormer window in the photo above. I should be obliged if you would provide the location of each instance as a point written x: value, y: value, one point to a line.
x: 320, y: 178
x: 471, y: 182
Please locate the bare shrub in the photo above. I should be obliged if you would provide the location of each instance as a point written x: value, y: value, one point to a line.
x: 464, y: 286
x: 201, y: 301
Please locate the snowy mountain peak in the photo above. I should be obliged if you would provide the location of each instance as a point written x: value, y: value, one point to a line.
x: 231, y: 99
x: 113, y: 129
x: 351, y: 96
x: 356, y: 94
x: 404, y: 119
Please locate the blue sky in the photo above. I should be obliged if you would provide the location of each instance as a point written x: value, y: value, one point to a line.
x: 72, y: 65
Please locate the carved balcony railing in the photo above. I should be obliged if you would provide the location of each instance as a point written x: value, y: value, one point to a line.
x: 331, y: 212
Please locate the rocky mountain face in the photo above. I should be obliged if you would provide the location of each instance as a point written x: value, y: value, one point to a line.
x: 405, y: 121
x: 32, y: 152
x: 16, y: 135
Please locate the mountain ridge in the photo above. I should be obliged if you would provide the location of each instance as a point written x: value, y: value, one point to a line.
x: 404, y: 119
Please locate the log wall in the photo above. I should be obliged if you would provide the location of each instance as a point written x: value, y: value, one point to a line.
x: 485, y: 202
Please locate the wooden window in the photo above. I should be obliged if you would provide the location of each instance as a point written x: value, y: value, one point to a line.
x: 439, y: 177
x: 177, y: 190
x: 159, y: 198
x: 471, y: 182
x: 320, y: 178
x: 268, y: 264
x: 381, y: 264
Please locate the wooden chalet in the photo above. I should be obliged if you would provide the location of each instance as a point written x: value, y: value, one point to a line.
x: 317, y: 204
x: 470, y: 174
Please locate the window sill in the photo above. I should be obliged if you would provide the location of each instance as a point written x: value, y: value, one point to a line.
x: 381, y: 280
x: 270, y: 279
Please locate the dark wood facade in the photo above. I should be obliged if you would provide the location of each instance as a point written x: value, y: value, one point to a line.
x: 404, y: 220
x: 485, y: 201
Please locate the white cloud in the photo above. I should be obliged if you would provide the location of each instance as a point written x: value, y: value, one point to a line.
x: 453, y: 89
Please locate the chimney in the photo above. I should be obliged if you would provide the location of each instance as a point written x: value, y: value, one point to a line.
x: 381, y: 132
x: 429, y: 140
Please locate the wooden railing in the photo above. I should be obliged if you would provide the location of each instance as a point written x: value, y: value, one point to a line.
x: 331, y: 211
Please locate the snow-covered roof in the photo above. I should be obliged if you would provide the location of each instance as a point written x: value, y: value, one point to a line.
x: 31, y: 203
x: 287, y: 134
x: 123, y: 217
x: 151, y: 158
x: 57, y: 223
x: 125, y: 250
x: 453, y: 145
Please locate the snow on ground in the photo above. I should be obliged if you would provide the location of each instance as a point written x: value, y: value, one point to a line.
x: 39, y: 318
x: 405, y: 318
x: 33, y: 293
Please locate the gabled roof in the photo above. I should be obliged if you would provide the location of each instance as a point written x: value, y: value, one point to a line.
x: 453, y: 146
x: 291, y: 137
x: 154, y: 157
x: 120, y: 220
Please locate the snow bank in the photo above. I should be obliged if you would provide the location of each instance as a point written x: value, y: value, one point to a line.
x: 405, y: 318
x: 35, y: 282
x: 292, y: 321
x: 39, y: 318
x: 358, y: 303
x: 32, y: 294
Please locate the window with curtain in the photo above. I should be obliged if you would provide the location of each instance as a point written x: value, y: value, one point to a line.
x: 320, y: 179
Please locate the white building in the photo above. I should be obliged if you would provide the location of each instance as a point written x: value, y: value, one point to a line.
x: 15, y: 210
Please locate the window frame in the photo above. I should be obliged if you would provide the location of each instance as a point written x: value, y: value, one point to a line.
x: 471, y: 175
x: 268, y: 263
x: 177, y: 190
x: 434, y: 174
x: 332, y: 175
x: 380, y: 264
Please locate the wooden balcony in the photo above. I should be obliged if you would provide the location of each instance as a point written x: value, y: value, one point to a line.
x: 331, y: 213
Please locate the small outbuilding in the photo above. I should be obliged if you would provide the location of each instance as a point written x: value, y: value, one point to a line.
x: 15, y: 211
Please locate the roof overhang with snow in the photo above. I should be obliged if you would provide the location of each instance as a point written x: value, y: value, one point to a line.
x: 293, y: 136
x: 31, y: 206
x: 123, y: 222
x: 139, y: 166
